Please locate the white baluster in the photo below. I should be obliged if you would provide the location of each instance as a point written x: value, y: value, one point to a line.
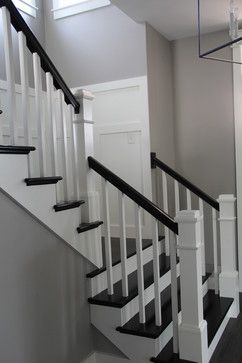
x: 140, y: 263
x: 108, y: 248
x: 74, y: 154
x: 177, y: 196
x: 64, y: 148
x: 165, y: 208
x: 39, y: 114
x: 174, y: 291
x: 123, y: 244
x: 51, y: 119
x: 10, y: 73
x: 215, y: 249
x: 189, y: 200
x: 24, y: 85
x: 156, y: 269
x: 201, y: 209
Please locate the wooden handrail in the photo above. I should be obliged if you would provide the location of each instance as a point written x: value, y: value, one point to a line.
x: 133, y: 194
x: 186, y: 183
x: 35, y: 47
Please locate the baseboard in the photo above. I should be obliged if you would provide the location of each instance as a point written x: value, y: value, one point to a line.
x: 98, y: 357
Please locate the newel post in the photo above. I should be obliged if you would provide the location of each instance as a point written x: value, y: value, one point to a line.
x: 86, y: 182
x: 229, y: 277
x: 193, y: 328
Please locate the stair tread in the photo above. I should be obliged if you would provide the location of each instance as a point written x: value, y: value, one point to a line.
x: 42, y: 180
x: 150, y: 329
x: 83, y: 227
x: 115, y: 243
x: 215, y: 310
x: 68, y: 205
x: 9, y: 149
x: 117, y: 299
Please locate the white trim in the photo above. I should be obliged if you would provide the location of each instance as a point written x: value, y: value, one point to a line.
x: 73, y: 9
x: 98, y: 357
x: 25, y: 7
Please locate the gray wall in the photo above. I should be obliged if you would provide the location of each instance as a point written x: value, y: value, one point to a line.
x: 37, y: 26
x: 94, y: 47
x: 204, y: 125
x: 44, y: 312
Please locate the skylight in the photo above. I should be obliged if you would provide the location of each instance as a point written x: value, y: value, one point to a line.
x: 64, y: 8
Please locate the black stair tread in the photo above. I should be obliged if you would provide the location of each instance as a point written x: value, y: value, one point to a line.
x: 88, y: 226
x: 9, y: 149
x: 68, y: 205
x: 215, y: 310
x: 42, y: 180
x: 167, y: 355
x: 115, y: 243
x: 117, y: 300
x: 150, y: 329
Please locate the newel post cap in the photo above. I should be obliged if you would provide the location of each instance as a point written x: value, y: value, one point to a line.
x: 226, y: 198
x: 188, y: 216
x: 84, y: 94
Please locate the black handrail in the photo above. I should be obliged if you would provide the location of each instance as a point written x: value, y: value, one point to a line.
x: 133, y: 194
x: 186, y: 183
x: 34, y: 46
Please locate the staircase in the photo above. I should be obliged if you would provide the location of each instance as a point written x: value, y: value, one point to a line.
x: 153, y: 298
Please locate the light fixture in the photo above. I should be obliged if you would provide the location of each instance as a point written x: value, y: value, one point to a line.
x: 219, y: 23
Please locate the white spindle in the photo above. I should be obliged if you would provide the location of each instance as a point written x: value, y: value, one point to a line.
x: 165, y: 208
x: 108, y: 248
x: 64, y: 148
x: 174, y: 297
x: 201, y: 209
x: 51, y: 119
x: 39, y: 114
x: 177, y: 196
x: 74, y: 154
x: 9, y: 64
x: 215, y: 249
x: 123, y: 245
x: 24, y: 85
x: 189, y: 200
x: 140, y: 263
x: 156, y: 269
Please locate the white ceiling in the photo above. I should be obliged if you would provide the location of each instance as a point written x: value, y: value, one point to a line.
x: 178, y: 18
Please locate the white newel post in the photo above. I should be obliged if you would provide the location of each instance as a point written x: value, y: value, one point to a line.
x: 193, y: 344
x: 229, y: 277
x: 84, y: 147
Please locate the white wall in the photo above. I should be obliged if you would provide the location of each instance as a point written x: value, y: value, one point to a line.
x: 204, y: 121
x: 95, y: 47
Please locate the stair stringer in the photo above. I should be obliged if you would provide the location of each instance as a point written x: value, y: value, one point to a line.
x: 39, y: 202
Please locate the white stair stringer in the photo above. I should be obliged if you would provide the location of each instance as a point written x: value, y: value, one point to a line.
x: 138, y: 349
x: 39, y: 202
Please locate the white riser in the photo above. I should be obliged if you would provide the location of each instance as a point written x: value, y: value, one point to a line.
x: 39, y: 202
x: 98, y: 283
x: 138, y: 349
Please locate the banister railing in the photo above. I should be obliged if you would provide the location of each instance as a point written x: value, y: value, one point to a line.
x: 35, y: 47
x: 158, y: 215
x: 185, y: 182
x: 133, y: 194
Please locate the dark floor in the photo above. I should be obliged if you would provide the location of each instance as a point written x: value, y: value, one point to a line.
x: 229, y: 349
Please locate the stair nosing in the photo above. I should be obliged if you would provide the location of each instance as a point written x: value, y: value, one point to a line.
x: 16, y: 150
x: 89, y: 226
x: 42, y: 180
x: 68, y: 205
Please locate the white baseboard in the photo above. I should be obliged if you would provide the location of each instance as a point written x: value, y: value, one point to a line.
x: 98, y: 357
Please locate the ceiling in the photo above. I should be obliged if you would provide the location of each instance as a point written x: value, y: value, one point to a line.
x: 178, y: 18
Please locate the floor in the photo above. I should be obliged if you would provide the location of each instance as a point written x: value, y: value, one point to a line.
x: 229, y: 349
